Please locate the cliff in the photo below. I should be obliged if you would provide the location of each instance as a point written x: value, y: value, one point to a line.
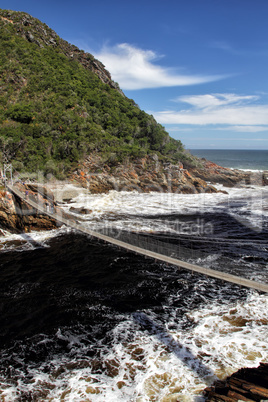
x: 62, y: 114
x: 17, y: 216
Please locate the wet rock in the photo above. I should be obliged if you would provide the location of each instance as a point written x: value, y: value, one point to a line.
x: 17, y: 216
x: 81, y: 211
x: 247, y: 384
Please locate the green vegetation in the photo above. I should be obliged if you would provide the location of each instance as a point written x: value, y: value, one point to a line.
x: 54, y: 110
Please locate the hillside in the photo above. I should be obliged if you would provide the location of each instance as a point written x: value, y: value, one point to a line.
x: 59, y: 105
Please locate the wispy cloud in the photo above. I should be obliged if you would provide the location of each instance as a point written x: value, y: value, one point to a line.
x: 216, y: 100
x: 239, y: 111
x: 226, y: 47
x: 258, y: 49
x: 134, y: 68
x: 244, y: 129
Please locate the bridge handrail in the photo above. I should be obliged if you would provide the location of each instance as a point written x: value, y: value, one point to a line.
x: 263, y: 287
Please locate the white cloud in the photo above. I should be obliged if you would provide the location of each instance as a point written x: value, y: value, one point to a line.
x: 254, y: 115
x: 214, y: 100
x: 218, y: 109
x: 134, y: 68
x: 245, y: 129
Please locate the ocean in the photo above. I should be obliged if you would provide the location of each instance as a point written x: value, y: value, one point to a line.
x: 82, y: 320
x: 236, y: 159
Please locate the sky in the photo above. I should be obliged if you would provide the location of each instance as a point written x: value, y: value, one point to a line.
x: 200, y: 67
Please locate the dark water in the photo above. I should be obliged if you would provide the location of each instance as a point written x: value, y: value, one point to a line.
x: 237, y: 159
x: 48, y: 288
x: 62, y: 302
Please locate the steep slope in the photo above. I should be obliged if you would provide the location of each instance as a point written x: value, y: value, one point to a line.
x: 59, y: 105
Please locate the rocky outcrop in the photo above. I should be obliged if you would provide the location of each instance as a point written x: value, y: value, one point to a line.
x: 17, y: 216
x: 144, y: 175
x: 150, y: 174
x: 213, y: 173
x: 247, y: 384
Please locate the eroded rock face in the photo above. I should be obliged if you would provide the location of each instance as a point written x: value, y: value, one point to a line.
x: 213, y: 173
x: 143, y: 175
x: 247, y: 384
x: 149, y: 174
x: 17, y: 216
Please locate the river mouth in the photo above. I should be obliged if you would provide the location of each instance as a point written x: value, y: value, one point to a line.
x: 79, y: 307
x: 84, y: 320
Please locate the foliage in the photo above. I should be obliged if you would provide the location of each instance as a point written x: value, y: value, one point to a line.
x: 59, y: 111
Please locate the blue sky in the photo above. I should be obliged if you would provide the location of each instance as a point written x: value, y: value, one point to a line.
x: 200, y: 67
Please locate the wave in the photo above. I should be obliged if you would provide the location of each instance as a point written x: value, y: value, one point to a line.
x: 147, y: 358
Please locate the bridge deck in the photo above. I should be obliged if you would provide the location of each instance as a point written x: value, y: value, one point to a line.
x: 263, y: 287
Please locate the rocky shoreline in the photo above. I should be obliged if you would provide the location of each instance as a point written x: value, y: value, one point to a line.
x: 16, y: 216
x: 94, y: 176
x: 150, y: 174
x: 142, y: 174
x: 213, y: 173
x: 247, y: 384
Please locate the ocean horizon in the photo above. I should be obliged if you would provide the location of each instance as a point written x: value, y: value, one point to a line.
x: 235, y: 158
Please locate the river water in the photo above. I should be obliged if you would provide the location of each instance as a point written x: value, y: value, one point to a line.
x: 84, y: 321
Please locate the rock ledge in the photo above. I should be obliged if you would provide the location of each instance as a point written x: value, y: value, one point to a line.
x: 247, y: 384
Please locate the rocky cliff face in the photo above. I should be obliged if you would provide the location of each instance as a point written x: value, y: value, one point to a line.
x: 143, y: 174
x: 17, y: 216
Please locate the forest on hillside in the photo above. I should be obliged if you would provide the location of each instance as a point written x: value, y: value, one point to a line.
x: 54, y: 111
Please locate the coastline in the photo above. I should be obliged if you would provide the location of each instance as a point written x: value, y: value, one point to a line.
x: 69, y: 189
x: 144, y: 176
x: 242, y: 159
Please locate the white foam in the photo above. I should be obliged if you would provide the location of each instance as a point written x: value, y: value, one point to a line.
x: 129, y: 210
x: 249, y: 170
x: 139, y: 211
x: 29, y: 241
x: 156, y: 363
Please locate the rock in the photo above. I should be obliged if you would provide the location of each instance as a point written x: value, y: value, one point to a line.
x: 247, y: 384
x: 142, y: 174
x: 82, y: 211
x: 213, y: 173
x: 17, y: 216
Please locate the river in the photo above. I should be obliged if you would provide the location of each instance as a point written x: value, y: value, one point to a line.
x: 84, y: 321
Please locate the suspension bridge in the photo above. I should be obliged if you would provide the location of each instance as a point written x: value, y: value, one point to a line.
x: 139, y: 244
